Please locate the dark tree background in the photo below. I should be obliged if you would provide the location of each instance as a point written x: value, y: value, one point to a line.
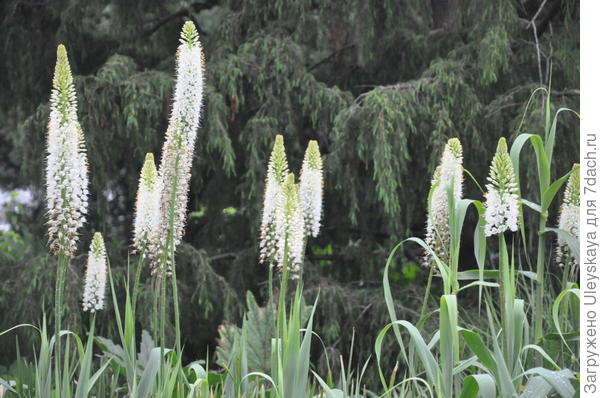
x: 380, y: 84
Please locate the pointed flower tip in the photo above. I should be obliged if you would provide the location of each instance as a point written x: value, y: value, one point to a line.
x: 62, y: 59
x: 149, y: 157
x: 455, y: 147
x: 97, y: 243
x: 149, y: 173
x: 290, y: 180
x: 189, y: 33
x: 278, y: 162
x: 290, y: 188
x: 61, y: 51
x: 502, y: 147
x: 279, y: 147
x: 62, y: 73
x: 313, y: 155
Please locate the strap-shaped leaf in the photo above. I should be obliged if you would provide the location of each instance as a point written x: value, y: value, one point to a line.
x: 549, y: 194
x: 480, y: 385
x: 559, y: 380
x: 475, y: 344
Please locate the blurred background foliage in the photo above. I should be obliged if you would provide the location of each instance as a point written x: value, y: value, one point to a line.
x: 380, y: 84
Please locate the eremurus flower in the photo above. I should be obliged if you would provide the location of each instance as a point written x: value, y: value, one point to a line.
x: 311, y: 188
x: 147, y: 207
x: 178, y: 149
x: 95, y: 276
x: 502, y: 201
x: 569, y: 218
x: 449, y: 173
x: 66, y: 162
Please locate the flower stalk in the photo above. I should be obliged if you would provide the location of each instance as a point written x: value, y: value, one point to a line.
x: 175, y: 166
x: 66, y: 181
x: 501, y: 215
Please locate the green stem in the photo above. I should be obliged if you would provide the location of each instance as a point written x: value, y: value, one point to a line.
x: 92, y: 325
x: 171, y: 254
x: 163, y: 307
x: 426, y: 298
x: 176, y: 306
x: 155, y: 309
x: 58, y: 301
x: 271, y: 303
x: 540, y: 265
x: 507, y: 296
x: 136, y: 282
x: 566, y: 274
x: 281, y: 310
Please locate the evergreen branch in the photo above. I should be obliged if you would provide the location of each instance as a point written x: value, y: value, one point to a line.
x: 332, y: 55
x: 184, y: 12
x: 409, y: 85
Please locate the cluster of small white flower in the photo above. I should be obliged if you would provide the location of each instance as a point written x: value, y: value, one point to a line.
x: 67, y: 178
x: 95, y: 276
x: 289, y: 226
x: 311, y: 188
x: 449, y: 174
x: 502, y: 200
x: 276, y: 174
x: 569, y: 219
x: 177, y: 153
x: 66, y: 168
x: 291, y: 212
x: 147, y: 209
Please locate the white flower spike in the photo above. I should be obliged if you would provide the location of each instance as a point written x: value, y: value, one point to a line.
x: 502, y: 201
x: 66, y: 168
x: 311, y: 188
x: 569, y: 219
x: 95, y: 276
x: 178, y: 149
x: 276, y: 174
x: 289, y: 227
x: 448, y: 173
x: 147, y: 209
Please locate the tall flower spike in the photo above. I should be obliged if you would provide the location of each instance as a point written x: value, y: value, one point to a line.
x: 95, y: 276
x: 289, y: 227
x: 502, y: 201
x: 311, y: 188
x: 276, y: 174
x: 178, y: 149
x: 147, y: 208
x: 569, y: 218
x: 450, y: 171
x: 66, y: 168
